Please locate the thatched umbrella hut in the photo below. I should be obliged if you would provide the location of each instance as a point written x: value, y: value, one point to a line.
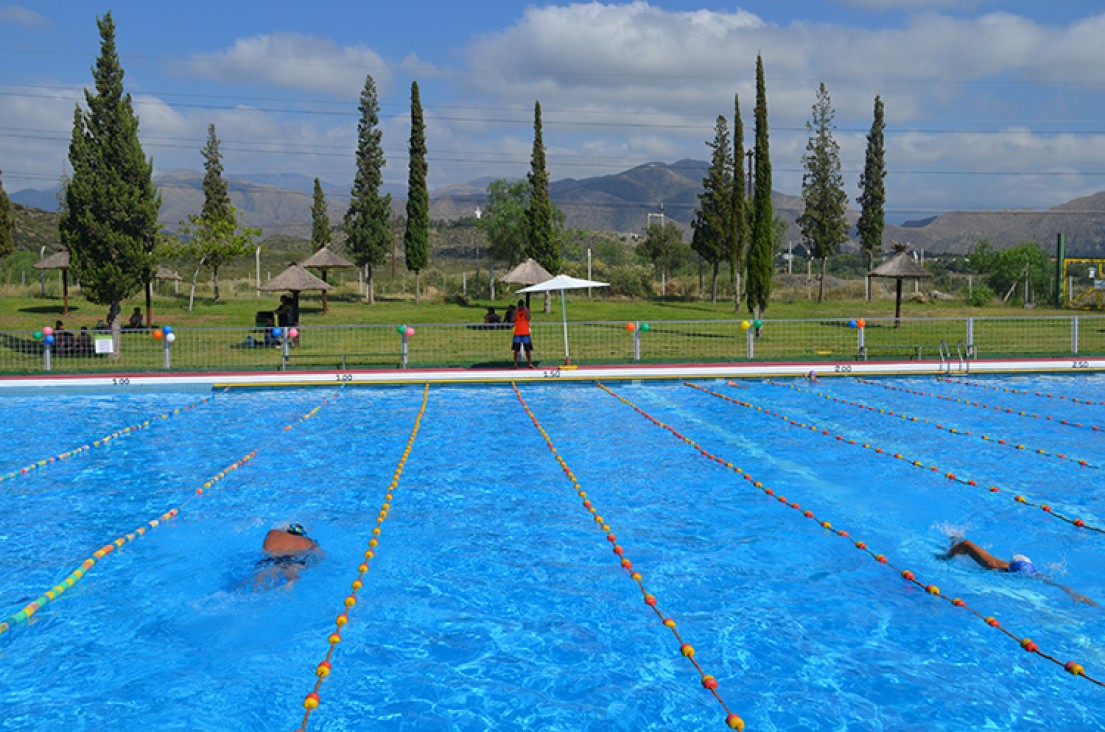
x: 165, y: 274
x: 899, y: 267
x: 528, y: 273
x: 295, y: 280
x: 325, y: 260
x: 59, y: 260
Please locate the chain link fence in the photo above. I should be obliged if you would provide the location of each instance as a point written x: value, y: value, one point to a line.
x: 473, y: 346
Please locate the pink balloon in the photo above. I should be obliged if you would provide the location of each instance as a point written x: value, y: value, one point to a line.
x: 47, y: 331
x: 410, y: 331
x: 293, y: 332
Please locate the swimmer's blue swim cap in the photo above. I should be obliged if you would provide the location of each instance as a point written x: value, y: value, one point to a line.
x: 1022, y: 565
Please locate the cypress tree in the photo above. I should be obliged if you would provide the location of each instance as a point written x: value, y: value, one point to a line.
x: 761, y: 249
x: 367, y: 221
x: 872, y: 197
x: 216, y: 193
x: 416, y: 238
x: 541, y: 241
x: 713, y: 219
x: 7, y: 224
x: 110, y: 216
x: 739, y: 236
x: 320, y: 219
x: 822, y: 222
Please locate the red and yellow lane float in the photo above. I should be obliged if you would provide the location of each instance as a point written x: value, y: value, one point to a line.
x: 1072, y: 667
x: 981, y: 405
x: 322, y: 671
x: 103, y: 441
x: 937, y: 425
x: 1011, y: 390
x: 686, y: 649
x: 59, y: 589
x: 1019, y: 499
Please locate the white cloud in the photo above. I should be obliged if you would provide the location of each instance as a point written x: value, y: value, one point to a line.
x: 16, y: 15
x: 295, y: 61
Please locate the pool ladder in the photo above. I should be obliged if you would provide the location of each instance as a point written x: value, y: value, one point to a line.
x: 963, y: 353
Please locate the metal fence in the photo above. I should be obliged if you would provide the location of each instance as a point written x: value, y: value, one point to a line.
x: 669, y: 341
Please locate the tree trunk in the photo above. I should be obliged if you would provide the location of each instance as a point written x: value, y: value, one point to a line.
x: 713, y: 283
x: 195, y: 276
x: 736, y: 291
x: 215, y: 272
x: 417, y: 287
x: 370, y: 291
x: 821, y: 286
x: 149, y: 303
x: 116, y: 329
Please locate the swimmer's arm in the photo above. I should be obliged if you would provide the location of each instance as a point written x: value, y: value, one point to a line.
x: 1073, y: 595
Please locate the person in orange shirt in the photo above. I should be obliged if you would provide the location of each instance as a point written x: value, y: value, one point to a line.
x: 522, y: 337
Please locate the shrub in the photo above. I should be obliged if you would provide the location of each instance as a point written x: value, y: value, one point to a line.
x: 979, y: 296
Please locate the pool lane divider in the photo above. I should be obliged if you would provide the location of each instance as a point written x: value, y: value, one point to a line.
x: 59, y: 589
x: 1072, y: 667
x: 103, y: 441
x: 981, y: 405
x: 687, y: 650
x: 937, y: 425
x: 1011, y: 390
x: 1019, y: 499
x: 322, y: 671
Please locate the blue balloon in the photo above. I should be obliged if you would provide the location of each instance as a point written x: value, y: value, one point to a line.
x: 276, y: 332
x: 167, y: 329
x: 49, y: 338
x: 851, y: 324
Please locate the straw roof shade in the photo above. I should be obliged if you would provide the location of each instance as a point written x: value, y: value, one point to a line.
x: 529, y: 272
x: 166, y: 274
x: 295, y: 279
x: 59, y: 260
x: 899, y: 267
x: 325, y: 260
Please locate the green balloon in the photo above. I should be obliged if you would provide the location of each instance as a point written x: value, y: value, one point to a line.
x: 758, y: 323
x: 645, y: 327
x: 401, y: 329
x: 37, y: 335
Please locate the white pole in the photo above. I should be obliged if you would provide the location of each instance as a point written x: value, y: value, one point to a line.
x: 564, y: 314
x: 588, y: 269
x: 42, y: 273
x: 258, y: 259
x: 464, y: 283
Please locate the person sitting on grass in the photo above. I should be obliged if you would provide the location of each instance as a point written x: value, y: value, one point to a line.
x: 1019, y: 564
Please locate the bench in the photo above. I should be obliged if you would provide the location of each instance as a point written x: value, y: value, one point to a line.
x: 912, y: 352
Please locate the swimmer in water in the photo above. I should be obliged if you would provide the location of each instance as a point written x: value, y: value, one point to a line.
x: 288, y: 550
x: 812, y: 376
x: 1019, y: 564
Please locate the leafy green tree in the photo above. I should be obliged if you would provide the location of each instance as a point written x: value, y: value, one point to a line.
x: 367, y: 222
x: 109, y: 222
x: 7, y: 224
x: 713, y: 219
x: 822, y: 222
x: 214, y: 237
x: 416, y: 238
x: 739, y: 237
x: 504, y: 219
x: 1007, y: 271
x: 761, y: 255
x: 664, y: 248
x: 541, y: 241
x: 320, y: 219
x: 872, y: 186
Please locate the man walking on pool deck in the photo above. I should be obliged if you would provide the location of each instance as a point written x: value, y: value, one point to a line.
x: 522, y: 338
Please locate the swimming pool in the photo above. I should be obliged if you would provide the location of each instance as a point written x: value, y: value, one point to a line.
x: 494, y: 600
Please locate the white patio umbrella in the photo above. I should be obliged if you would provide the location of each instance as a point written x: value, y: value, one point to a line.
x: 562, y: 283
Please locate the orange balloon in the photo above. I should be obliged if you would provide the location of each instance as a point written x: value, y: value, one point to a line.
x: 157, y: 334
x: 860, y: 323
x: 631, y: 327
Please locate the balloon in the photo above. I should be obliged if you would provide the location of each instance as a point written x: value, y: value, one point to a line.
x: 157, y: 334
x: 37, y: 335
x: 745, y: 325
x: 47, y: 331
x: 49, y: 338
x: 645, y: 327
x: 293, y: 332
x: 851, y: 324
x: 408, y: 332
x: 630, y: 327
x: 401, y: 329
x: 167, y: 329
x: 170, y: 337
x: 757, y: 324
x: 860, y: 323
x: 277, y: 332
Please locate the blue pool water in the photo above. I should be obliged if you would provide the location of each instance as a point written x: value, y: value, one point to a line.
x: 494, y: 600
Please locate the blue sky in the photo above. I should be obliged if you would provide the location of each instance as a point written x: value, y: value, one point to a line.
x: 989, y: 104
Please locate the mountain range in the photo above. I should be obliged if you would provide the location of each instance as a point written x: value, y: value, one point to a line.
x: 625, y: 202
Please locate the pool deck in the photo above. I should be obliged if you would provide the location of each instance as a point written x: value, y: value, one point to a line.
x: 564, y: 373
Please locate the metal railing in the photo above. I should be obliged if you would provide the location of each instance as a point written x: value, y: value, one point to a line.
x: 476, y: 345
